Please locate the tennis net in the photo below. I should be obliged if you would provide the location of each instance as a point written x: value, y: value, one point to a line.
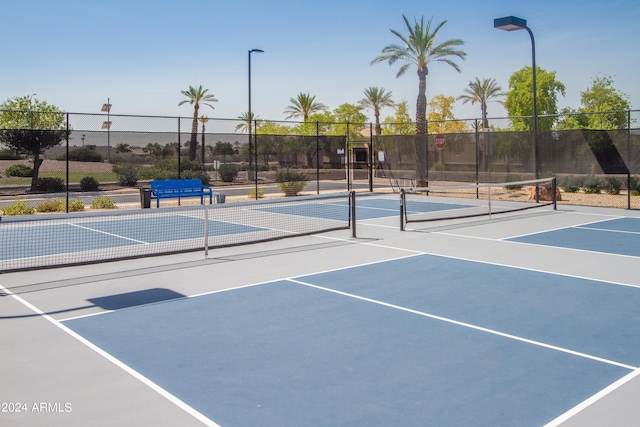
x: 457, y: 201
x: 42, y: 241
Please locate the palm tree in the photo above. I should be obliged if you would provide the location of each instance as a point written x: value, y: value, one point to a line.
x: 303, y: 106
x: 246, y: 121
x: 482, y: 92
x: 203, y: 120
x: 196, y: 97
x: 375, y: 99
x: 419, y: 48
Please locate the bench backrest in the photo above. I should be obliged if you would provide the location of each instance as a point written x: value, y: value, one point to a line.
x: 176, y: 186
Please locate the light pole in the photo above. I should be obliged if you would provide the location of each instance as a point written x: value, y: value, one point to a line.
x: 250, y: 118
x: 107, y: 125
x: 511, y: 23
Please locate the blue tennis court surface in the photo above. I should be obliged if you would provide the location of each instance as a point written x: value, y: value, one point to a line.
x: 109, y: 233
x: 367, y: 208
x: 423, y: 340
x: 616, y: 236
x: 105, y: 233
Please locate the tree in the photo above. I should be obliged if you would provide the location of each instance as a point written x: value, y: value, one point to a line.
x: 246, y: 121
x: 608, y: 102
x: 30, y: 127
x: 519, y: 102
x: 441, y: 119
x: 400, y: 123
x: 303, y: 106
x: 324, y: 119
x: 123, y: 148
x: 271, y: 139
x: 203, y: 120
x: 375, y: 99
x: 482, y: 92
x: 419, y: 48
x: 223, y: 149
x: 196, y: 97
x: 353, y: 116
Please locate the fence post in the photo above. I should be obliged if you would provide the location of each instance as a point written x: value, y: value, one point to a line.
x: 255, y: 146
x: 370, y: 159
x: 628, y: 159
x: 352, y: 212
x: 179, y: 150
x: 317, y: 157
x: 67, y: 163
x: 348, y: 156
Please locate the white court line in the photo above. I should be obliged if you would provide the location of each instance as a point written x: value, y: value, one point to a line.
x: 416, y: 252
x: 607, y: 230
x: 562, y: 228
x: 109, y: 234
x: 470, y: 326
x: 161, y: 391
x: 593, y: 399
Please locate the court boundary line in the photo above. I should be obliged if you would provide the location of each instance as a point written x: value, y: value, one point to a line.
x: 593, y: 399
x: 417, y: 252
x: 564, y: 228
x: 117, y: 362
x: 589, y: 251
x: 470, y: 326
x: 607, y: 230
x: 108, y: 234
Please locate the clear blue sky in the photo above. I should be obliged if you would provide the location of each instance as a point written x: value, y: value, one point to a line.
x: 141, y: 53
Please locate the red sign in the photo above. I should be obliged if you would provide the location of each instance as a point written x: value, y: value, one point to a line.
x: 440, y: 141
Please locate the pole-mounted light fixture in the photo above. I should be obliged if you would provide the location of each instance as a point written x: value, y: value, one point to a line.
x: 249, y: 119
x: 511, y: 23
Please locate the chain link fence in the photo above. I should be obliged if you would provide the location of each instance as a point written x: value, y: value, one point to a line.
x: 107, y: 154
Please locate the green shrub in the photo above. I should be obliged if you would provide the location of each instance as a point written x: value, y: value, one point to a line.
x: 512, y: 187
x: 103, y: 202
x: 591, y: 184
x: 612, y: 185
x: 190, y: 174
x: 168, y: 169
x: 76, y: 205
x: 89, y: 183
x: 154, y: 173
x: 252, y: 193
x: 6, y: 154
x: 291, y: 181
x: 22, y: 171
x: 228, y: 172
x: 51, y: 205
x: 634, y: 185
x: 19, y: 207
x: 127, y: 174
x: 84, y: 154
x: 570, y: 184
x: 59, y: 205
x: 50, y: 185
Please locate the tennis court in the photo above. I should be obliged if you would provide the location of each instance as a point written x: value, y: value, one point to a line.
x: 476, y: 321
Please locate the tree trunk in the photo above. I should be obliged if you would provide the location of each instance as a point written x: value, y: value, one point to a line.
x: 485, y: 122
x: 194, y: 135
x: 37, y: 162
x: 421, y: 149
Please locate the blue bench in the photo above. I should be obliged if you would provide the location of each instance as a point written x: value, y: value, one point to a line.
x: 174, y: 188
